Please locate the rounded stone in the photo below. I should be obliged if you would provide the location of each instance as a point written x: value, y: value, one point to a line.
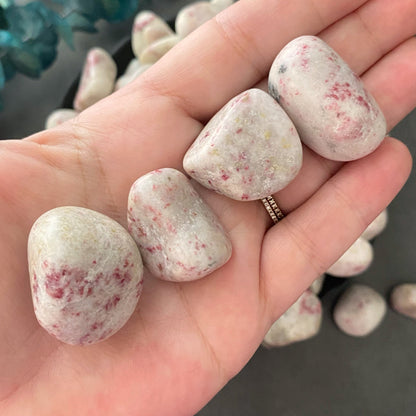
x: 250, y: 149
x: 97, y: 79
x: 59, y: 116
x: 300, y: 322
x: 359, y: 310
x: 192, y: 16
x: 152, y: 53
x: 333, y: 112
x: 86, y: 274
x: 377, y: 226
x: 147, y: 28
x: 317, y: 285
x: 179, y: 236
x: 354, y: 261
x: 403, y: 299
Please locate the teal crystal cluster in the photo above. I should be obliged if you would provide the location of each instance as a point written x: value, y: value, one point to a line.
x: 29, y: 33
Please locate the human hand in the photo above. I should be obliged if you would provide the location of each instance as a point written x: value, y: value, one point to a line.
x: 185, y: 341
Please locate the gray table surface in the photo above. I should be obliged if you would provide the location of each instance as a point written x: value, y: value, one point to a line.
x: 332, y: 374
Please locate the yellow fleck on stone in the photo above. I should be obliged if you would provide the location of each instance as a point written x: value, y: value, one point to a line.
x: 285, y: 144
x: 262, y: 115
x: 215, y: 152
x: 237, y: 120
x: 267, y: 134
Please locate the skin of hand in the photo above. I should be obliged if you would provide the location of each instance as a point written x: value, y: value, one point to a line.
x: 186, y: 341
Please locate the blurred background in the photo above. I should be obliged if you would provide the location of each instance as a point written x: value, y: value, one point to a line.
x: 331, y: 374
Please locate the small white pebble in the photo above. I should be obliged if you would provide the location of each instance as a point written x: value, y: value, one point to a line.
x: 300, y: 322
x: 179, y: 236
x: 192, y: 16
x: 126, y: 79
x: 354, y: 261
x: 147, y: 28
x: 333, y: 112
x: 359, y: 310
x: 376, y: 227
x: 220, y: 5
x: 403, y: 299
x: 86, y: 274
x: 59, y: 116
x: 248, y: 150
x: 152, y: 53
x: 97, y: 79
x: 317, y: 284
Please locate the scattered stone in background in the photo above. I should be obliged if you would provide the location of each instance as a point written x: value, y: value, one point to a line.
x: 317, y: 284
x: 354, y: 261
x: 300, y: 322
x: 403, y: 299
x: 377, y: 226
x: 97, y: 79
x: 59, y: 116
x: 359, y: 310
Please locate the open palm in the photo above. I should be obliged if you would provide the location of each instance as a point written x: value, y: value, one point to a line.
x: 185, y: 341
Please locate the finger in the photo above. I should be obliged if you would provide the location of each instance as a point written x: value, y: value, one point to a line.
x: 392, y: 83
x: 311, y: 238
x: 246, y: 37
x: 360, y: 38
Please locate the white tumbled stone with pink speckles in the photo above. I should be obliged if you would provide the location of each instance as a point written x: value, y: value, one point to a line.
x: 403, y: 299
x: 300, y: 322
x: 333, y: 112
x: 97, y: 79
x: 359, y: 310
x: 59, y: 116
x: 179, y: 236
x: 354, y: 261
x: 376, y: 226
x: 86, y: 274
x: 248, y: 150
x: 147, y: 28
x: 193, y: 15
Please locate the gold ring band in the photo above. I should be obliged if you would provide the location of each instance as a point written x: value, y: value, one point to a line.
x: 273, y: 209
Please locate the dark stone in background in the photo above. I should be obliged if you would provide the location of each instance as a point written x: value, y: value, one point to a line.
x: 332, y: 374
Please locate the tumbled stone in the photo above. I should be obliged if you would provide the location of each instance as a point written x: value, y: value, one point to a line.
x: 86, y: 274
x: 59, y: 116
x: 359, y: 310
x: 97, y: 79
x: 248, y: 150
x: 126, y: 78
x: 192, y: 16
x: 300, y: 322
x: 147, y: 28
x: 332, y: 111
x: 354, y: 261
x: 403, y: 299
x: 179, y: 236
x: 220, y: 5
x: 377, y: 226
x: 152, y: 53
x: 317, y: 285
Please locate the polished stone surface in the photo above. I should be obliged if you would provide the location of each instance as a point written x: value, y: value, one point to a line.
x: 331, y: 374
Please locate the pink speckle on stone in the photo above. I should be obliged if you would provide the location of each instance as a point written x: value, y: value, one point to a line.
x: 359, y: 310
x: 168, y: 244
x: 252, y: 142
x: 85, y: 269
x: 300, y: 322
x: 97, y: 79
x: 334, y: 114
